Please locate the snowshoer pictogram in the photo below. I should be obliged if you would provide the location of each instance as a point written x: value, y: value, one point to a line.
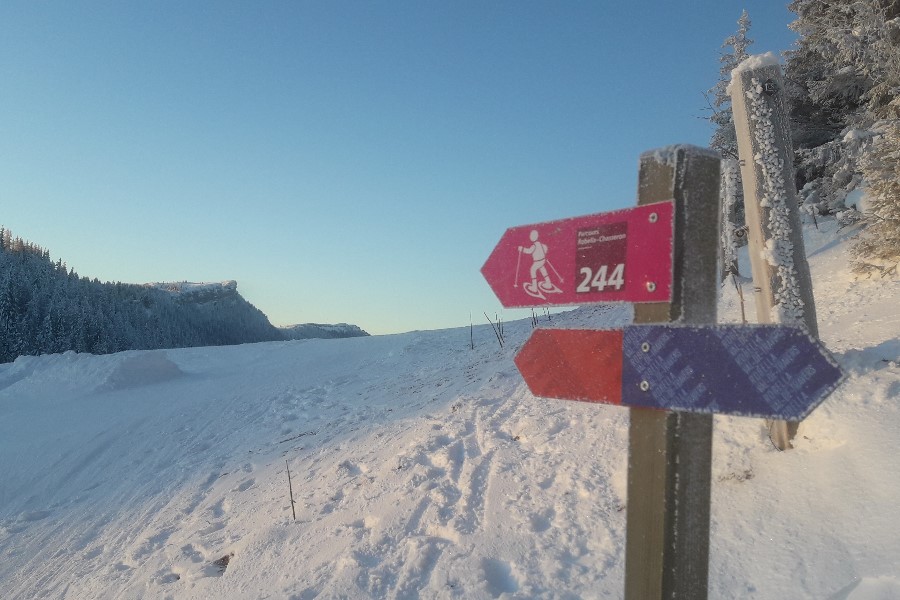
x: 540, y: 262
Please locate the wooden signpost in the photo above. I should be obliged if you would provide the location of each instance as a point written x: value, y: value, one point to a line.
x: 670, y: 453
x: 674, y: 358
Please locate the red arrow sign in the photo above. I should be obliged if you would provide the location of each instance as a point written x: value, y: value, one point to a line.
x: 770, y: 371
x: 621, y: 256
x: 573, y: 364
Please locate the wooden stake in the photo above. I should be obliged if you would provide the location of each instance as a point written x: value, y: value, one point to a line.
x: 783, y: 293
x: 670, y: 454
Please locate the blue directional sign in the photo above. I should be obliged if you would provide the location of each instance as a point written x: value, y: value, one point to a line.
x: 770, y: 371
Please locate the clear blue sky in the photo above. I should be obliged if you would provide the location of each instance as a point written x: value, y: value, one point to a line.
x: 343, y: 161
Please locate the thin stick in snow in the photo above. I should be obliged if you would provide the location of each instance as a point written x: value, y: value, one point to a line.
x: 740, y: 292
x: 290, y: 489
x: 497, y: 333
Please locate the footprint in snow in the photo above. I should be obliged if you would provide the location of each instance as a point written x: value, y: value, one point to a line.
x: 245, y: 485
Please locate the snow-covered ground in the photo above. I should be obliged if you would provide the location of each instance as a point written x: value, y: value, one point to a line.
x: 424, y: 469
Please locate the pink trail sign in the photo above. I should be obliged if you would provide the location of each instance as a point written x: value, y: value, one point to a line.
x: 620, y: 256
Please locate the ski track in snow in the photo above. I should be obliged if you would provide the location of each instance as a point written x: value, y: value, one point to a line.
x: 423, y: 469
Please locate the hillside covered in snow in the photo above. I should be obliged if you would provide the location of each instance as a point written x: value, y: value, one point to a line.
x: 47, y: 308
x: 424, y: 469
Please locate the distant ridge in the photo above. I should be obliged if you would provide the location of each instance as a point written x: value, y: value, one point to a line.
x: 204, y: 292
x: 306, y: 331
x: 207, y: 292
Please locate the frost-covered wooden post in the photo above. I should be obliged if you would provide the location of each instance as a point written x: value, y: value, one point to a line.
x: 731, y: 233
x: 670, y: 453
x: 777, y: 255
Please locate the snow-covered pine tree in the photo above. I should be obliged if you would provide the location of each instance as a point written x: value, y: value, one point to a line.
x: 724, y: 139
x: 838, y: 75
x: 827, y: 85
x: 878, y: 248
x: 825, y: 97
x: 845, y: 83
x: 735, y: 52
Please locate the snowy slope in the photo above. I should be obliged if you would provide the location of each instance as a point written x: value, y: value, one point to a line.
x: 422, y: 468
x: 819, y: 521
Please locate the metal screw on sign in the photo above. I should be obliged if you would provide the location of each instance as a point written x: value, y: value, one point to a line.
x: 645, y: 347
x: 645, y: 385
x: 653, y: 217
x: 651, y: 287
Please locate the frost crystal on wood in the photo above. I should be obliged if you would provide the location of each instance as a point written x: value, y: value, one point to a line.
x: 731, y: 193
x: 778, y: 250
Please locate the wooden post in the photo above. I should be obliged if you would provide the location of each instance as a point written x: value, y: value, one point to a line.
x: 781, y: 276
x: 670, y: 453
x: 731, y: 194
